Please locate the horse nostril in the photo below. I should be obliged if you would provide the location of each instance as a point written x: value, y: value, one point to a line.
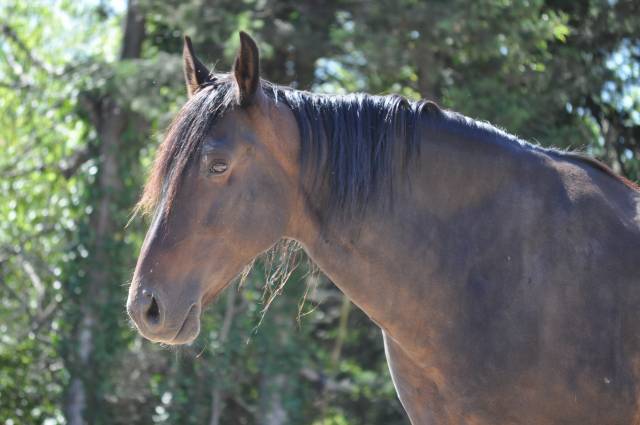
x: 153, y: 312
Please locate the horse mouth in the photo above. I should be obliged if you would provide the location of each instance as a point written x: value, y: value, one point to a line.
x: 190, y: 327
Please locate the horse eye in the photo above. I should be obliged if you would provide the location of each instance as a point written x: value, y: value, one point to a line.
x: 218, y: 168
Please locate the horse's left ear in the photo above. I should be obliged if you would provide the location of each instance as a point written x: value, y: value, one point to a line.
x: 246, y: 69
x: 195, y: 73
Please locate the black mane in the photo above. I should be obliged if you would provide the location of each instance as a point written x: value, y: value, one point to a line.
x: 349, y: 142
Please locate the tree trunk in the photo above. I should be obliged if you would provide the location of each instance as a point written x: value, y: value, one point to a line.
x: 345, y: 309
x: 110, y: 122
x: 217, y: 404
x: 272, y: 411
x: 273, y: 379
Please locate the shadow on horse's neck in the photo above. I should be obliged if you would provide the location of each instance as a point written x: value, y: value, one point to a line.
x: 380, y: 257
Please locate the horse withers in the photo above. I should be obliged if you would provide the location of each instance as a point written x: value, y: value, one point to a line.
x: 504, y: 276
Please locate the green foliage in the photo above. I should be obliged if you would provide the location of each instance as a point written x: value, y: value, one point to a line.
x: 556, y: 72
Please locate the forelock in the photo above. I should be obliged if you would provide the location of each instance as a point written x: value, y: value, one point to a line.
x: 182, y: 141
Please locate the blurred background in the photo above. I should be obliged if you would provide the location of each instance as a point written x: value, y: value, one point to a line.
x: 86, y: 91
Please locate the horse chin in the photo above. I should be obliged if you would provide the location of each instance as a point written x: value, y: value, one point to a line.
x: 190, y: 328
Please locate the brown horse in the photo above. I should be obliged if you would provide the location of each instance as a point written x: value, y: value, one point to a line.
x: 504, y: 276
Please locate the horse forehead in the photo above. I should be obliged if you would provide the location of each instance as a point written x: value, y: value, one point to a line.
x: 236, y: 124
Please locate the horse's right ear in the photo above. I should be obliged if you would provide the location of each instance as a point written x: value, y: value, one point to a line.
x: 195, y: 73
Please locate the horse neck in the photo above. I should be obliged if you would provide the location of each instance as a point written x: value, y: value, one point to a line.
x: 388, y: 261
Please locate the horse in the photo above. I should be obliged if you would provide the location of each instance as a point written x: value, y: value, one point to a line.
x: 503, y: 275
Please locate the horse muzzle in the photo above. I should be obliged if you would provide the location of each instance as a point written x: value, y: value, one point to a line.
x: 156, y: 322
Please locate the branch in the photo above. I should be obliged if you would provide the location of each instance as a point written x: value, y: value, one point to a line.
x: 44, y: 316
x: 324, y: 382
x: 75, y: 162
x: 67, y: 168
x: 237, y: 399
x: 23, y: 304
x: 15, y: 86
x: 12, y: 35
x: 7, y: 174
x: 28, y: 268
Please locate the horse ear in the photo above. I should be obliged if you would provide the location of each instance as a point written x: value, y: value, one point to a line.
x: 195, y: 73
x: 246, y: 69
